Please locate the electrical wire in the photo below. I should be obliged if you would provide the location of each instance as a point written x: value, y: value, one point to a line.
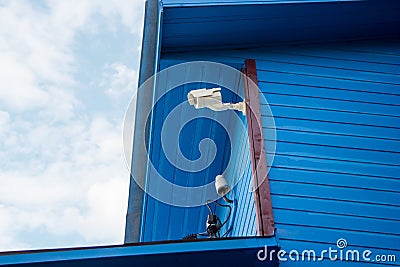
x: 227, y: 232
x: 221, y: 205
x: 227, y: 199
x: 229, y: 214
x: 208, y: 206
x: 194, y: 236
x: 235, y: 206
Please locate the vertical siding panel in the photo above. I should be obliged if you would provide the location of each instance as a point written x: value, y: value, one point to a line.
x: 239, y: 193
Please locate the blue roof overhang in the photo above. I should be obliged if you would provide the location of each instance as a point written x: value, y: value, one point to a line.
x: 232, y: 252
x: 187, y: 27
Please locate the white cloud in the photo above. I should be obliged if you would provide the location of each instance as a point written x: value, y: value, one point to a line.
x: 81, y: 190
x: 62, y: 174
x: 7, y: 224
x: 120, y: 79
x: 4, y: 120
x: 32, y: 57
x: 17, y: 85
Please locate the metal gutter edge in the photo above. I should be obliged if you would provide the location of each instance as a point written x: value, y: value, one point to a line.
x: 237, y: 3
x: 144, y: 102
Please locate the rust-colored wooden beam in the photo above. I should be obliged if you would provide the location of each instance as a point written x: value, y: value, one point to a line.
x: 262, y: 194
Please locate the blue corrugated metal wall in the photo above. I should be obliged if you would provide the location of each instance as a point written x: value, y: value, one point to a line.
x: 336, y: 169
x: 161, y: 221
x: 244, y: 223
x: 335, y: 173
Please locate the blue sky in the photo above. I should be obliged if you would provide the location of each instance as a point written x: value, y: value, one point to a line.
x: 67, y: 72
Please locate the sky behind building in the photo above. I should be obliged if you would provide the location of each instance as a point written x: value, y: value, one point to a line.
x: 67, y: 72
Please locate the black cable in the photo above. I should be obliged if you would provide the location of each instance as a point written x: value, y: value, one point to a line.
x: 235, y: 206
x: 222, y: 205
x: 218, y: 234
x: 229, y: 214
x: 227, y: 232
x: 227, y: 199
x: 220, y: 223
x: 209, y: 208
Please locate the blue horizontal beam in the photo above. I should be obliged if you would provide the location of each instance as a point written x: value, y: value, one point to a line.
x: 180, y: 3
x: 233, y: 252
x: 243, y: 25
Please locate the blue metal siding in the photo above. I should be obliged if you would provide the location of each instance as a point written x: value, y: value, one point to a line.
x: 335, y: 173
x: 162, y: 221
x: 336, y: 169
x: 244, y: 224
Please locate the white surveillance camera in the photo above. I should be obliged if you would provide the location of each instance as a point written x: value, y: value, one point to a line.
x: 221, y: 185
x: 212, y: 99
x: 202, y: 98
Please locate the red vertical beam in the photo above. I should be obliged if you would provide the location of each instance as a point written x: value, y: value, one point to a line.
x: 262, y: 194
